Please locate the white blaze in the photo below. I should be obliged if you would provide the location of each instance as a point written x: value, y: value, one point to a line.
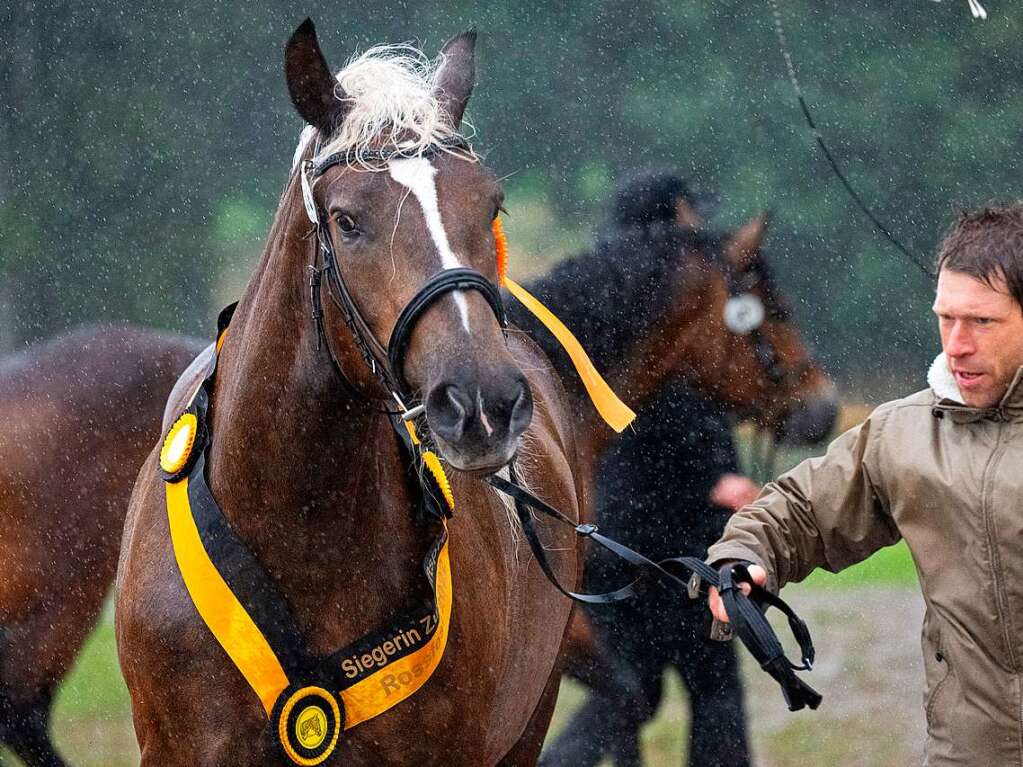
x: 483, y: 414
x: 418, y: 175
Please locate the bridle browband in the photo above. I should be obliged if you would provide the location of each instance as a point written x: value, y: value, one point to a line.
x: 386, y: 363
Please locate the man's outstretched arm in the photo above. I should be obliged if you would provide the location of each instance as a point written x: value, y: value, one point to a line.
x: 827, y: 512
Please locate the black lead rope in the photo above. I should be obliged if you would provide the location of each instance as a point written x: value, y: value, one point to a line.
x: 745, y: 612
x: 756, y: 633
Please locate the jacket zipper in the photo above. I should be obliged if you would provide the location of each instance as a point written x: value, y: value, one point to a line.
x: 1001, y: 600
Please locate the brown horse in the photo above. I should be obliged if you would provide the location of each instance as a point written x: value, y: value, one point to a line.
x: 645, y: 353
x: 765, y: 374
x: 651, y: 306
x: 80, y: 413
x: 309, y: 474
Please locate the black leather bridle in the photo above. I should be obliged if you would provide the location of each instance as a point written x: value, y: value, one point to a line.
x: 386, y: 362
x: 753, y: 312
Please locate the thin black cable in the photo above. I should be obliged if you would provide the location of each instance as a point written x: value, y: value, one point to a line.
x: 779, y: 30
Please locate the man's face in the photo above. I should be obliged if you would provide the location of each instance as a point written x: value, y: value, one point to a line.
x: 981, y: 334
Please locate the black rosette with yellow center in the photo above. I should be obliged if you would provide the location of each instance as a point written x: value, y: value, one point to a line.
x: 309, y: 721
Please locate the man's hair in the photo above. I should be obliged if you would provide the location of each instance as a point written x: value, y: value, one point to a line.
x: 987, y: 244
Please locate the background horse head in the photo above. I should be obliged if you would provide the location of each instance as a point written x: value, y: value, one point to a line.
x: 650, y: 303
x: 768, y: 374
x: 397, y: 220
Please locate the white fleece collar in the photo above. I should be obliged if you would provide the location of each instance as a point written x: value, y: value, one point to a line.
x: 942, y: 382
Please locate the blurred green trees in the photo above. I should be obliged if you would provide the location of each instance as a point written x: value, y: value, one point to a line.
x: 143, y: 146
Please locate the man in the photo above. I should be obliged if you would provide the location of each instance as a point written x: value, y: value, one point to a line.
x: 688, y: 438
x: 942, y: 469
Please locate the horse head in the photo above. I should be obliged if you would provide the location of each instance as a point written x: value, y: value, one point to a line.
x: 757, y: 361
x: 401, y: 199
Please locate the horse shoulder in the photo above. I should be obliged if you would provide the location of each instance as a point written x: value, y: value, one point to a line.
x: 169, y: 659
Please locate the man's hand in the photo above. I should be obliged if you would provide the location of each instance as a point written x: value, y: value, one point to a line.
x: 734, y: 491
x: 717, y: 607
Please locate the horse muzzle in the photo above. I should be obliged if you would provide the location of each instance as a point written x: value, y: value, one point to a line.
x: 811, y: 421
x: 477, y: 428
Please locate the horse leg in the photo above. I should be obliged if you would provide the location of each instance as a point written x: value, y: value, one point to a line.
x: 608, y: 723
x: 35, y: 654
x: 24, y: 728
x: 526, y: 751
x: 717, y: 734
x: 25, y: 719
x: 588, y: 659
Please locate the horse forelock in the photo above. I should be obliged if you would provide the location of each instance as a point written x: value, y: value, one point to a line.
x: 391, y: 101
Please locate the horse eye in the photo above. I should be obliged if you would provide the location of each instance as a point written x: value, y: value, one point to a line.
x: 347, y: 224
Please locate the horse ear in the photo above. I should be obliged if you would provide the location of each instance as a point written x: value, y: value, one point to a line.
x: 745, y: 244
x: 456, y: 75
x: 314, y: 91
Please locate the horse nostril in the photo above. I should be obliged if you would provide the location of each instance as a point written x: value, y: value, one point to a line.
x: 522, y: 410
x: 447, y: 410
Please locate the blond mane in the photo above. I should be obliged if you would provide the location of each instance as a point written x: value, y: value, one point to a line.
x: 391, y: 101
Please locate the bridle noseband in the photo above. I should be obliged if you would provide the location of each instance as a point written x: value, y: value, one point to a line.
x: 461, y: 278
x: 745, y: 315
x: 386, y: 363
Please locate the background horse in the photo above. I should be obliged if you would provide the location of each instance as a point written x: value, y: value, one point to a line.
x: 649, y: 304
x: 309, y: 473
x: 80, y: 413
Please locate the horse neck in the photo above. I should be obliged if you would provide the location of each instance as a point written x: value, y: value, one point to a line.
x: 293, y: 450
x: 656, y: 359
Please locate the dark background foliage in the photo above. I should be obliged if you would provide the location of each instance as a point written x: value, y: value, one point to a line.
x: 143, y: 146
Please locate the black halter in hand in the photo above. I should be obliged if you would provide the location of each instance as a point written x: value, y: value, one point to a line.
x: 745, y: 613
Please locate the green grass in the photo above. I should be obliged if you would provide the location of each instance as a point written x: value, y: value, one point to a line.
x: 95, y: 686
x: 92, y: 713
x: 892, y: 566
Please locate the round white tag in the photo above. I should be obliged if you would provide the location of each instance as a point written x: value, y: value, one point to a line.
x: 744, y: 314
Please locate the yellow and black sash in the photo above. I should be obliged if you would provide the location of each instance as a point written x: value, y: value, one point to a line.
x: 308, y: 699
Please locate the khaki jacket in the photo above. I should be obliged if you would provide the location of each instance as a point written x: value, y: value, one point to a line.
x: 949, y: 480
